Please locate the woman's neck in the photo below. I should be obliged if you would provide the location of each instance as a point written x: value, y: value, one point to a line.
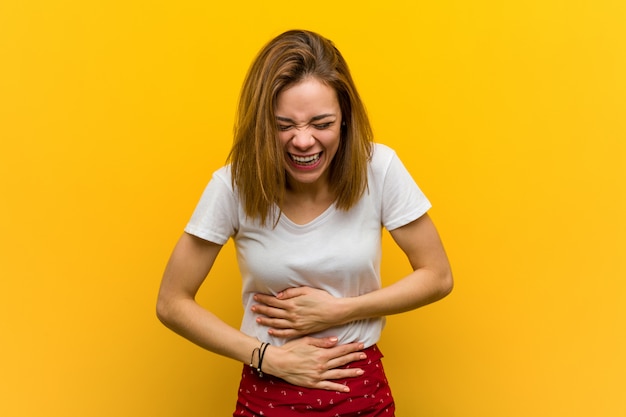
x: 305, y: 203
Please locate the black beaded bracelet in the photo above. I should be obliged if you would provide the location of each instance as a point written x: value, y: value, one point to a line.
x: 256, y: 350
x: 261, y: 355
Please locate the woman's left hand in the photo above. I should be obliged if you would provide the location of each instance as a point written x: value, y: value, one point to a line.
x: 298, y: 311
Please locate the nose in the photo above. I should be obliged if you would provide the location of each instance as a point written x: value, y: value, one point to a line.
x: 303, y: 138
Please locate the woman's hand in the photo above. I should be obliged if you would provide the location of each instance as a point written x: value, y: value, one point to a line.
x: 298, y: 311
x: 314, y: 362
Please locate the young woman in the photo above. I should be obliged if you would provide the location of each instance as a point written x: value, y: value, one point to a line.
x: 304, y: 197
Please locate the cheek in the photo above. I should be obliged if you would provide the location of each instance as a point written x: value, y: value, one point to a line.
x: 283, y: 138
x: 330, y: 139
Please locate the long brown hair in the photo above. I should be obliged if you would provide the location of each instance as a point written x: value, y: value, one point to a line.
x: 257, y: 159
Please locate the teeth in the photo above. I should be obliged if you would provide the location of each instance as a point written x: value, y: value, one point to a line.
x: 305, y: 159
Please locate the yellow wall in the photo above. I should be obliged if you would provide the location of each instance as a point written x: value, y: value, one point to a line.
x: 510, y: 114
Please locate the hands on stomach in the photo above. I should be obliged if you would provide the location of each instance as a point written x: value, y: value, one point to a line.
x: 306, y: 361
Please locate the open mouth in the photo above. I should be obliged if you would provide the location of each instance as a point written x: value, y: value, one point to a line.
x: 305, y: 160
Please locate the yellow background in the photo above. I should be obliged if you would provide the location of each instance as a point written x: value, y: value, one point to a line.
x: 509, y: 114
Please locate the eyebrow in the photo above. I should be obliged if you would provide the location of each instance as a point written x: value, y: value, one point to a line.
x: 313, y: 119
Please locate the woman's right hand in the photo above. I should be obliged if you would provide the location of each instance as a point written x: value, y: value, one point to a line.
x: 314, y: 362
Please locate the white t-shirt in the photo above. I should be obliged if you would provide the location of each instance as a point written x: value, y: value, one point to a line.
x: 338, y: 252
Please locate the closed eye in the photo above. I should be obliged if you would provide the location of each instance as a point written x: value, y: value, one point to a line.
x: 318, y: 126
x: 322, y: 126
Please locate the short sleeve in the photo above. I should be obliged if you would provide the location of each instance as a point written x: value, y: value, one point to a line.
x: 215, y: 217
x: 402, y: 199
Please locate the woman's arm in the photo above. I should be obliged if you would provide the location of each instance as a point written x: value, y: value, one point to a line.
x: 305, y: 310
x: 189, y: 264
x: 306, y: 362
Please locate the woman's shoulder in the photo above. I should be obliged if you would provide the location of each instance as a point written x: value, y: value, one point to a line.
x: 382, y: 155
x: 223, y: 174
x: 220, y: 182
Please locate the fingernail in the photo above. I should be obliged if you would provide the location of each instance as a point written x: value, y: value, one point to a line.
x: 360, y: 372
x: 333, y: 339
x: 363, y: 356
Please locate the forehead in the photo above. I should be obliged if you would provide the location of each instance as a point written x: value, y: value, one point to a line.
x: 307, y: 98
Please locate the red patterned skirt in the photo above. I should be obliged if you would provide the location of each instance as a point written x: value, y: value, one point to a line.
x: 269, y: 396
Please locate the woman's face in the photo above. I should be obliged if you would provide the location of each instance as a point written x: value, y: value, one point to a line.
x: 309, y: 125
